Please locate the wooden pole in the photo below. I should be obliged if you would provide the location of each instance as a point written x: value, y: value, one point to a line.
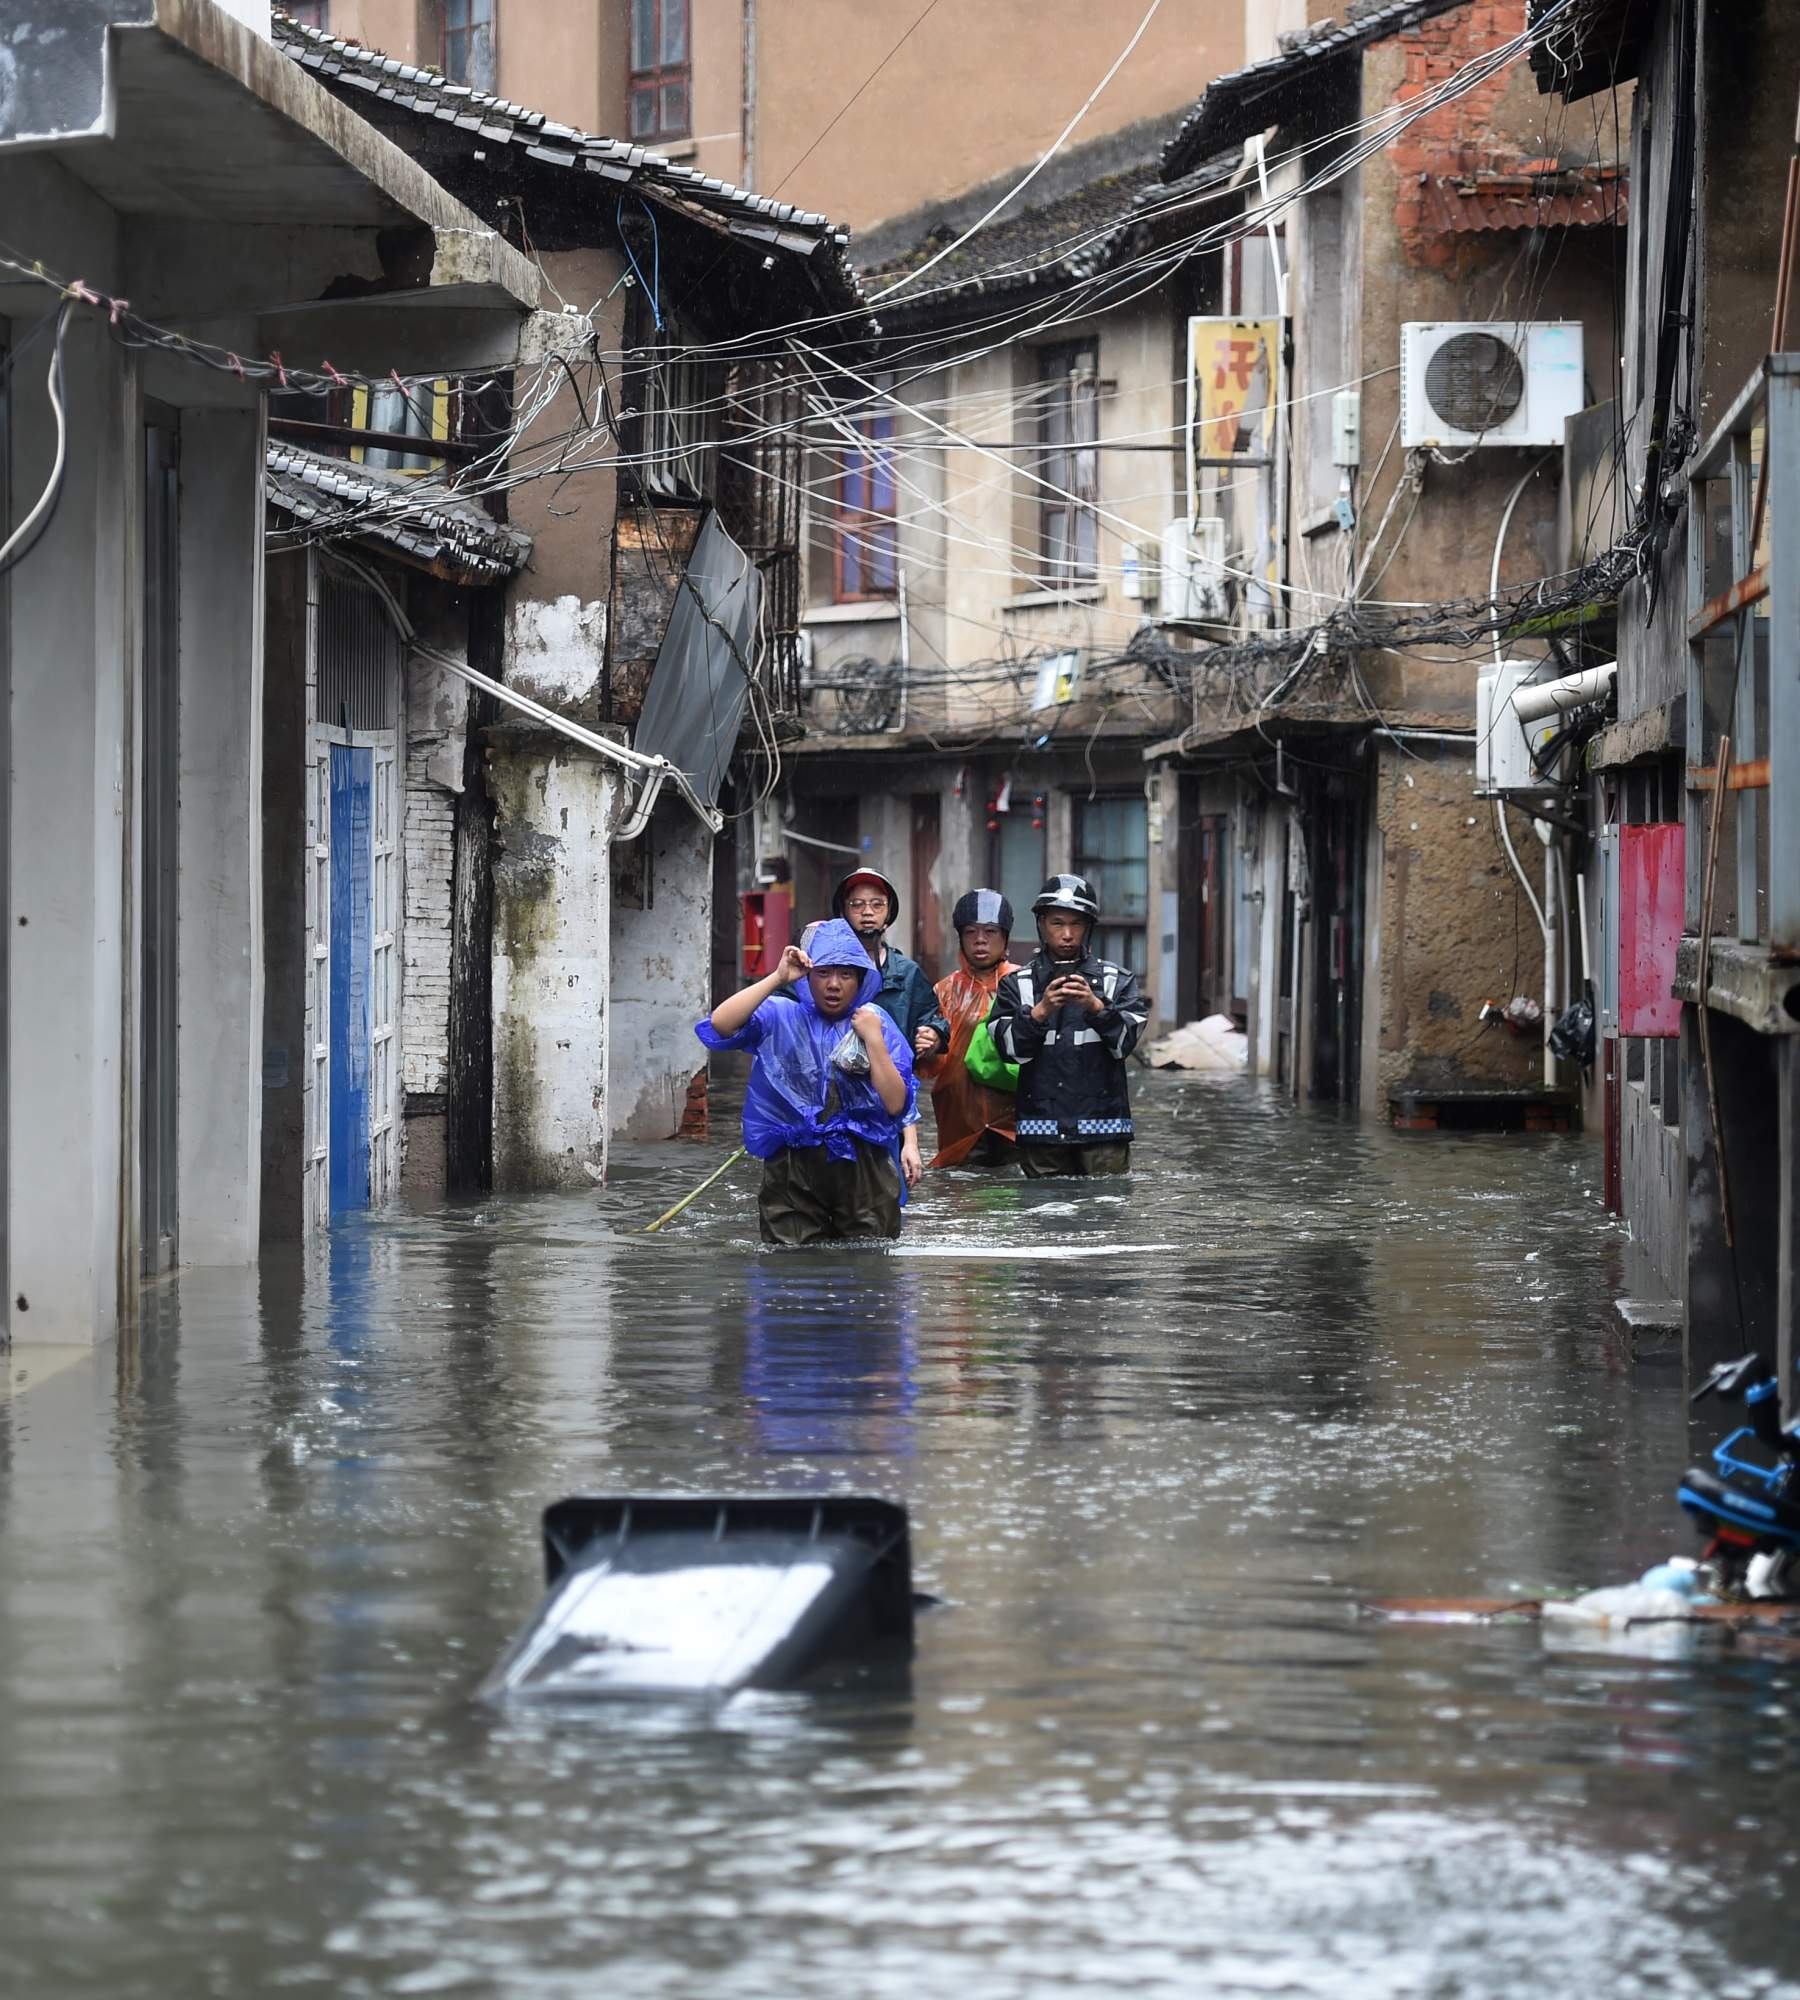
x: 669, y: 1214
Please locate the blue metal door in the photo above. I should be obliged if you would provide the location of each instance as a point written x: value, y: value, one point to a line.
x: 352, y: 782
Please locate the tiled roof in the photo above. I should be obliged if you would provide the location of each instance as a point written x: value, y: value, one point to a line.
x: 1465, y: 203
x: 1586, y: 45
x: 1081, y: 229
x: 454, y: 538
x: 1283, y: 88
x: 490, y: 120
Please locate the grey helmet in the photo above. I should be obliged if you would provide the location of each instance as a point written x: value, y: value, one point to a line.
x: 1068, y: 892
x: 982, y: 906
x: 1074, y: 893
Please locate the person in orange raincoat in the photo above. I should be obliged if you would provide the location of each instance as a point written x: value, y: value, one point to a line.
x: 974, y: 1123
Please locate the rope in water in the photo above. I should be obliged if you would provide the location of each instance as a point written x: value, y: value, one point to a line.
x: 669, y: 1215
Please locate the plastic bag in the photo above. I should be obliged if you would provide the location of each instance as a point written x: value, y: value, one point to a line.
x: 985, y: 1064
x: 850, y: 1055
x: 1572, y: 1039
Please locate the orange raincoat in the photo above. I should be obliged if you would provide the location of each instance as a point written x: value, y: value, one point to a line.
x: 965, y: 1109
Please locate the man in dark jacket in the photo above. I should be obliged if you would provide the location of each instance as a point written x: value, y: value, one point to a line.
x: 1070, y: 1020
x: 869, y: 903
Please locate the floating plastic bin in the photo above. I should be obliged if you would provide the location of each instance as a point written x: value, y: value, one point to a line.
x: 654, y: 1596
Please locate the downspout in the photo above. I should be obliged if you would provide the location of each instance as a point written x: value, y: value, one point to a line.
x: 747, y: 115
x: 653, y: 772
x: 1538, y: 910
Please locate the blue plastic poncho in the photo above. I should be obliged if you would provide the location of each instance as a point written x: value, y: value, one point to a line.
x: 789, y: 1080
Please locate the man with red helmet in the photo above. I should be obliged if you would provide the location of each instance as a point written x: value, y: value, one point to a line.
x: 869, y: 903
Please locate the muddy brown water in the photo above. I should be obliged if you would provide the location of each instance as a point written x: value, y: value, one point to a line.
x: 255, y: 1560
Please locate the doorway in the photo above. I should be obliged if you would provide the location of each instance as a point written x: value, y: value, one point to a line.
x: 352, y: 904
x: 927, y: 917
x: 159, y: 809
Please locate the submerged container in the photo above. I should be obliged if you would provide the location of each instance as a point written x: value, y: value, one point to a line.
x: 658, y: 1595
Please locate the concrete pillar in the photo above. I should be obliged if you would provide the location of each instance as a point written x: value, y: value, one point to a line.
x: 552, y: 951
x: 220, y: 955
x: 70, y: 1106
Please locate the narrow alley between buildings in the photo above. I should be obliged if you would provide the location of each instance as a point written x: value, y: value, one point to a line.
x: 1160, y: 1440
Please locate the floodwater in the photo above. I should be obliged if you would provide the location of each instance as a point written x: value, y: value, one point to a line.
x: 255, y: 1562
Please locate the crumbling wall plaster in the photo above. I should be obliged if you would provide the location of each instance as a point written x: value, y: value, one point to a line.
x: 551, y: 959
x: 555, y: 649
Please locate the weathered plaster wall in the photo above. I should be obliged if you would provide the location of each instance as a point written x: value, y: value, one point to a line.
x: 661, y: 971
x: 551, y: 959
x: 1450, y: 929
x: 285, y: 860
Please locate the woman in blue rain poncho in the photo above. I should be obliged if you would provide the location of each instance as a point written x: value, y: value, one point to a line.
x: 830, y: 1090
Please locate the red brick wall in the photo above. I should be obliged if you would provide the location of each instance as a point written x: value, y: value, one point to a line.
x: 1457, y: 137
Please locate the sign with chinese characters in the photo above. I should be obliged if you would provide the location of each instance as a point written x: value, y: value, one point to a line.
x: 1235, y: 398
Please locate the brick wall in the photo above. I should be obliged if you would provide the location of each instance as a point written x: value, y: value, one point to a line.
x: 1457, y: 137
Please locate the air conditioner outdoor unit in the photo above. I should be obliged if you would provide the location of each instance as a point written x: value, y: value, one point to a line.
x: 1488, y: 382
x: 1503, y: 742
x: 1193, y: 573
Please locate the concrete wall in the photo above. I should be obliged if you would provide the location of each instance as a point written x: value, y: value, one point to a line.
x: 1448, y: 929
x: 661, y: 971
x: 552, y: 954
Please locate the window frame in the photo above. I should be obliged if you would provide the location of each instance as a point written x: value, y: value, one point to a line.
x: 648, y: 84
x: 1068, y: 426
x: 457, y: 40
x: 863, y: 532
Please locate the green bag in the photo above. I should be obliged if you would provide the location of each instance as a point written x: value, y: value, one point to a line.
x: 984, y: 1063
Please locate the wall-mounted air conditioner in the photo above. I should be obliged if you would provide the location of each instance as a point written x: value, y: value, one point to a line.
x: 1488, y: 382
x: 1504, y: 743
x: 1193, y: 573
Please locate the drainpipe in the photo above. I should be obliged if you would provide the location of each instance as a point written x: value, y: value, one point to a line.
x: 652, y: 772
x: 1541, y: 911
x: 747, y: 115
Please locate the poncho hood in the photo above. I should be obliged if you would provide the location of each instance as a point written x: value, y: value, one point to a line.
x: 835, y: 943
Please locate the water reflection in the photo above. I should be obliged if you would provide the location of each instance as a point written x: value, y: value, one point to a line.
x: 830, y: 1355
x: 253, y: 1566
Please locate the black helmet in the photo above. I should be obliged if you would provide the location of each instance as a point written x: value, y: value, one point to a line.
x: 1068, y: 892
x: 866, y: 875
x: 982, y: 906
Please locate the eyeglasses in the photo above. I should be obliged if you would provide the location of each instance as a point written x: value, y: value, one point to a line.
x: 867, y: 905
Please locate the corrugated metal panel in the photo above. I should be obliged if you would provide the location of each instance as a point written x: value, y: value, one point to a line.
x: 1469, y: 207
x: 359, y: 658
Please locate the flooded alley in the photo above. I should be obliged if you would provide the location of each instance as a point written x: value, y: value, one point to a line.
x: 1158, y: 1442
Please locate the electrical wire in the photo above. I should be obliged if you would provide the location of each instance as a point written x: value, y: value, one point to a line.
x: 24, y: 538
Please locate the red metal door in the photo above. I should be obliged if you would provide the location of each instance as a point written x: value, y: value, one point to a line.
x: 1652, y: 870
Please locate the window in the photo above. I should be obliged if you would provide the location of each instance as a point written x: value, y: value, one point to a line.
x: 660, y: 70
x: 668, y: 431
x: 865, y: 526
x: 1112, y: 848
x: 1069, y: 425
x: 420, y: 410
x: 469, y: 42
x: 311, y: 14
